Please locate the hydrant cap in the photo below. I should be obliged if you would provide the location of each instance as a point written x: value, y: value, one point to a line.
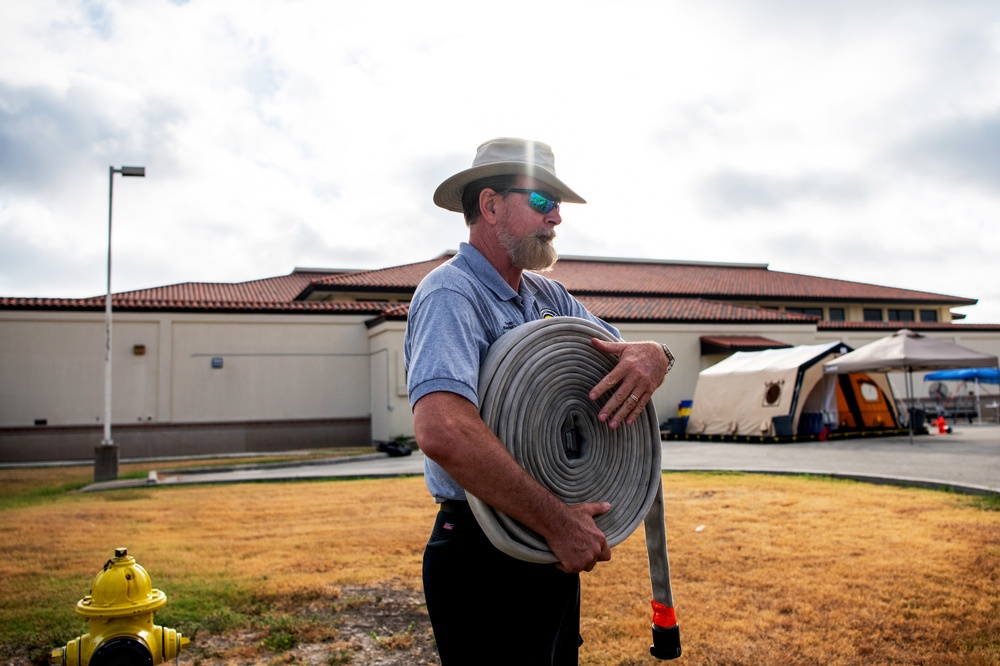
x: 120, y: 589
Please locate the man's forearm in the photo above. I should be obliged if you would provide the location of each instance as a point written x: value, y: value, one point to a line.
x: 450, y: 432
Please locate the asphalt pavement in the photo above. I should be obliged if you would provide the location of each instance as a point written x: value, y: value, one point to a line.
x: 967, y: 461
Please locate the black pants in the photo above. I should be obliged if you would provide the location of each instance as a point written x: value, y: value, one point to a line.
x: 489, y: 608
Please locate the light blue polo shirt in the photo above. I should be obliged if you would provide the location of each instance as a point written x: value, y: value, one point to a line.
x: 458, y: 310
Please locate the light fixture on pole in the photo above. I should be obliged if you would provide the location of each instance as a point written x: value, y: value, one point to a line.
x: 106, y: 455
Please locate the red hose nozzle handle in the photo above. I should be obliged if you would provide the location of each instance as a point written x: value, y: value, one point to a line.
x: 666, y: 633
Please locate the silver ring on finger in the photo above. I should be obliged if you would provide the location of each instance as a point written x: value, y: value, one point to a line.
x: 631, y: 396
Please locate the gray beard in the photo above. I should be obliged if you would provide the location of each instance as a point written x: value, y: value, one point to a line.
x: 533, y: 252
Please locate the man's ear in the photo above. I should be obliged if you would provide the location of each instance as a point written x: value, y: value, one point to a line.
x: 488, y: 205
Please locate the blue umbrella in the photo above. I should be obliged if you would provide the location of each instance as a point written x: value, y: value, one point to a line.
x: 984, y: 375
x: 977, y: 375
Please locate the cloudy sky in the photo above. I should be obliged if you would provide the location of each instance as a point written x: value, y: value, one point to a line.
x: 847, y: 139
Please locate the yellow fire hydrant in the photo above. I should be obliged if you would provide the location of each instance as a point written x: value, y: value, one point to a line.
x: 120, y: 609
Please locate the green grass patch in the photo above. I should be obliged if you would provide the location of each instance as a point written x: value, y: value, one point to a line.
x: 191, y: 608
x: 985, y: 502
x: 38, y: 495
x: 280, y: 633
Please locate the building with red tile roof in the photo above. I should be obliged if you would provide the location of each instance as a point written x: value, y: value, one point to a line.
x: 313, y: 358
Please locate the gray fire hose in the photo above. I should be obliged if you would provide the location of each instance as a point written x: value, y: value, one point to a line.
x: 534, y: 394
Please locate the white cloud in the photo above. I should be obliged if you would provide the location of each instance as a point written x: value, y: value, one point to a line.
x: 843, y: 139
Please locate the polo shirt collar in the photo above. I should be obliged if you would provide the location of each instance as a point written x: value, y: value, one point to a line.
x: 486, y: 273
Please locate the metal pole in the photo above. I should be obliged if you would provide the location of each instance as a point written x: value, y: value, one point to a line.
x: 908, y: 383
x: 107, y: 441
x: 106, y: 455
x: 979, y: 408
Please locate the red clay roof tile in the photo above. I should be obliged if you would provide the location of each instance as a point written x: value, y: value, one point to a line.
x: 583, y: 275
x: 656, y: 309
x: 283, y: 288
x: 614, y: 289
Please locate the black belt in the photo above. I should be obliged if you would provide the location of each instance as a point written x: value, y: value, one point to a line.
x: 455, y: 506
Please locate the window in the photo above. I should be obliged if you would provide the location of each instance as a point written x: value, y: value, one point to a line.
x: 900, y: 315
x: 873, y: 314
x: 812, y: 312
x: 869, y: 391
x: 837, y: 314
x: 928, y: 315
x: 772, y: 393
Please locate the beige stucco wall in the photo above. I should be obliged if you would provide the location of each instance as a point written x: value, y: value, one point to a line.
x: 272, y: 369
x: 391, y: 415
x: 282, y: 367
x: 52, y: 369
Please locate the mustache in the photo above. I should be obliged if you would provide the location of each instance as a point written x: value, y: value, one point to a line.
x: 544, y: 234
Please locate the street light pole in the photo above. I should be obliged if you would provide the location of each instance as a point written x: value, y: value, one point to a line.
x: 106, y: 455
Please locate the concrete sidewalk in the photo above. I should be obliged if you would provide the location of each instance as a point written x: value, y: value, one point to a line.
x: 968, y: 460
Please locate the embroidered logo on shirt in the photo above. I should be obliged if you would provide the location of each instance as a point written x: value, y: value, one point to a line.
x: 509, y: 326
x: 548, y: 314
x: 449, y: 526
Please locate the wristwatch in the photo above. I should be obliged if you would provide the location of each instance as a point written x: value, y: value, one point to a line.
x: 670, y: 358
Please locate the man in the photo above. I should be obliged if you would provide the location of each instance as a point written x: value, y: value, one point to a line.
x: 486, y: 607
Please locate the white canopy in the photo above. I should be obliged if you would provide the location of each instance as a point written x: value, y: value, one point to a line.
x: 907, y: 350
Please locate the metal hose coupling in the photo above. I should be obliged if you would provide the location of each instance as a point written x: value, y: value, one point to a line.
x: 534, y: 388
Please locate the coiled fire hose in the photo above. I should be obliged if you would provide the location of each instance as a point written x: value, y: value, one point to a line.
x: 534, y: 390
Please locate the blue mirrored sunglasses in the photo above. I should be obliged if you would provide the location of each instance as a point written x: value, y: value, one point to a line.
x: 539, y: 202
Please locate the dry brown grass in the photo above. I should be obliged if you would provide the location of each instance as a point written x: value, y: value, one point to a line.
x: 783, y: 570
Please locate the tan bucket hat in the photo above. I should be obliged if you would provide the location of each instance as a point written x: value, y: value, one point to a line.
x: 504, y: 157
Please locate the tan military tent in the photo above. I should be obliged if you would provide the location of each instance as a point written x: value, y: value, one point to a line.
x: 785, y: 393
